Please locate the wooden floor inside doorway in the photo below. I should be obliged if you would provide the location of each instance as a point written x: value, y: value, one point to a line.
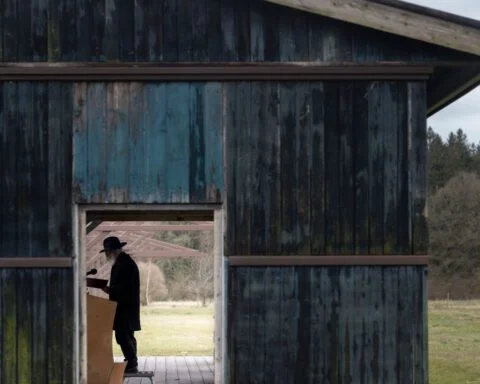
x: 175, y: 369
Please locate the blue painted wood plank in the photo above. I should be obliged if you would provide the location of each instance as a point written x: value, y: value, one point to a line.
x: 9, y: 324
x: 214, y: 131
x: 155, y: 107
x: 95, y: 188
x: 178, y: 148
x: 117, y: 142
x: 137, y: 143
x: 197, y: 142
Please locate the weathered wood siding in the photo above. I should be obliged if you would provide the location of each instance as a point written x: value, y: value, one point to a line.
x: 148, y: 143
x: 36, y: 305
x: 184, y: 30
x: 333, y: 325
x: 326, y: 168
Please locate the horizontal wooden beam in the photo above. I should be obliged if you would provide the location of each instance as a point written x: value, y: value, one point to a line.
x: 209, y: 72
x: 152, y: 215
x: 393, y: 17
x: 165, y: 254
x: 337, y: 260
x: 36, y: 262
x: 155, y: 227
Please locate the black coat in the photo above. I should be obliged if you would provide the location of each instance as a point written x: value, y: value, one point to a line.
x: 125, y: 290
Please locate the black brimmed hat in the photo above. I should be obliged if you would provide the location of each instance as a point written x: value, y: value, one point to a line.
x: 111, y: 243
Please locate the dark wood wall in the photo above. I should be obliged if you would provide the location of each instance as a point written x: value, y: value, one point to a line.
x: 320, y: 169
x: 326, y: 168
x: 36, y: 305
x: 334, y: 325
x: 184, y: 30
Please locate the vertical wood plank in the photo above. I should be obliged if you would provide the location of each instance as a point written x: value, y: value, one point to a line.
x: 10, y: 326
x: 184, y: 34
x: 273, y: 198
x: 332, y: 314
x: 197, y: 127
x: 155, y: 30
x: 228, y: 31
x: 403, y: 235
x: 126, y: 30
x: 141, y: 11
x: 40, y: 176
x: 170, y: 31
x: 257, y: 202
x: 178, y: 149
x: 273, y: 341
x: 135, y: 141
x: 346, y: 170
x: 155, y: 109
x: 55, y: 17
x: 231, y: 128
x: 25, y: 324
x: 361, y: 150
x: 214, y: 132
x: 271, y: 31
x: 40, y: 329
x: 9, y: 177
x: 54, y: 326
x: 289, y: 182
x: 256, y: 309
x: 199, y: 13
x: 26, y: 166
x: 2, y: 300
x: 389, y: 125
x: 24, y: 41
x: 111, y: 41
x: 97, y: 35
x: 117, y: 142
x: 242, y: 31
x: 418, y: 168
x: 59, y: 165
x: 293, y: 35
x: 84, y: 25
x: 289, y: 310
x: 303, y: 359
x: 96, y: 131
x: 39, y: 30
x: 10, y: 30
x: 68, y: 37
x: 80, y: 147
x: 332, y: 162
x: 66, y: 295
x: 214, y: 30
x: 257, y: 32
x: 376, y: 168
x: 317, y: 166
x: 243, y: 175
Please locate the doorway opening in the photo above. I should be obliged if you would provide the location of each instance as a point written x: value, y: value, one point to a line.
x: 157, y: 249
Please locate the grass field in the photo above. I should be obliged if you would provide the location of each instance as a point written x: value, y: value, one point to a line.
x: 454, y: 336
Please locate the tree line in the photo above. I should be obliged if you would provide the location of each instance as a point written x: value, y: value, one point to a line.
x: 453, y: 216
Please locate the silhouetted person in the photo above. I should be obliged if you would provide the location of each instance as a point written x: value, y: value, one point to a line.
x: 124, y: 288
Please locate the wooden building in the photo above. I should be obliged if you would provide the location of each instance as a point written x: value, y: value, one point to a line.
x: 301, y: 124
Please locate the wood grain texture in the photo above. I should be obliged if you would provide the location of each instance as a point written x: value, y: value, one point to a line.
x: 221, y: 30
x: 277, y: 309
x: 145, y: 143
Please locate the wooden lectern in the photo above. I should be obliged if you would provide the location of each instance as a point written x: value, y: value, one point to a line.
x: 101, y: 367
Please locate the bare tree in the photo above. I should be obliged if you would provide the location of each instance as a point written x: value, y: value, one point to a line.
x: 152, y: 283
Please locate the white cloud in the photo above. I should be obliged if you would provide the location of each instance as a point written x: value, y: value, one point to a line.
x: 465, y: 112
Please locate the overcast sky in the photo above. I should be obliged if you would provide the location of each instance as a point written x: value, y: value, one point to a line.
x: 465, y: 112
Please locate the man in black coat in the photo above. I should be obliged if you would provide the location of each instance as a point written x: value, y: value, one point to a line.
x: 124, y: 288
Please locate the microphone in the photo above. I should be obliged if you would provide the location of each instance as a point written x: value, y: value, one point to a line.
x: 92, y: 272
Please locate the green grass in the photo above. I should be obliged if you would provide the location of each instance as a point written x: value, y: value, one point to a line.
x: 454, y: 342
x: 173, y: 329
